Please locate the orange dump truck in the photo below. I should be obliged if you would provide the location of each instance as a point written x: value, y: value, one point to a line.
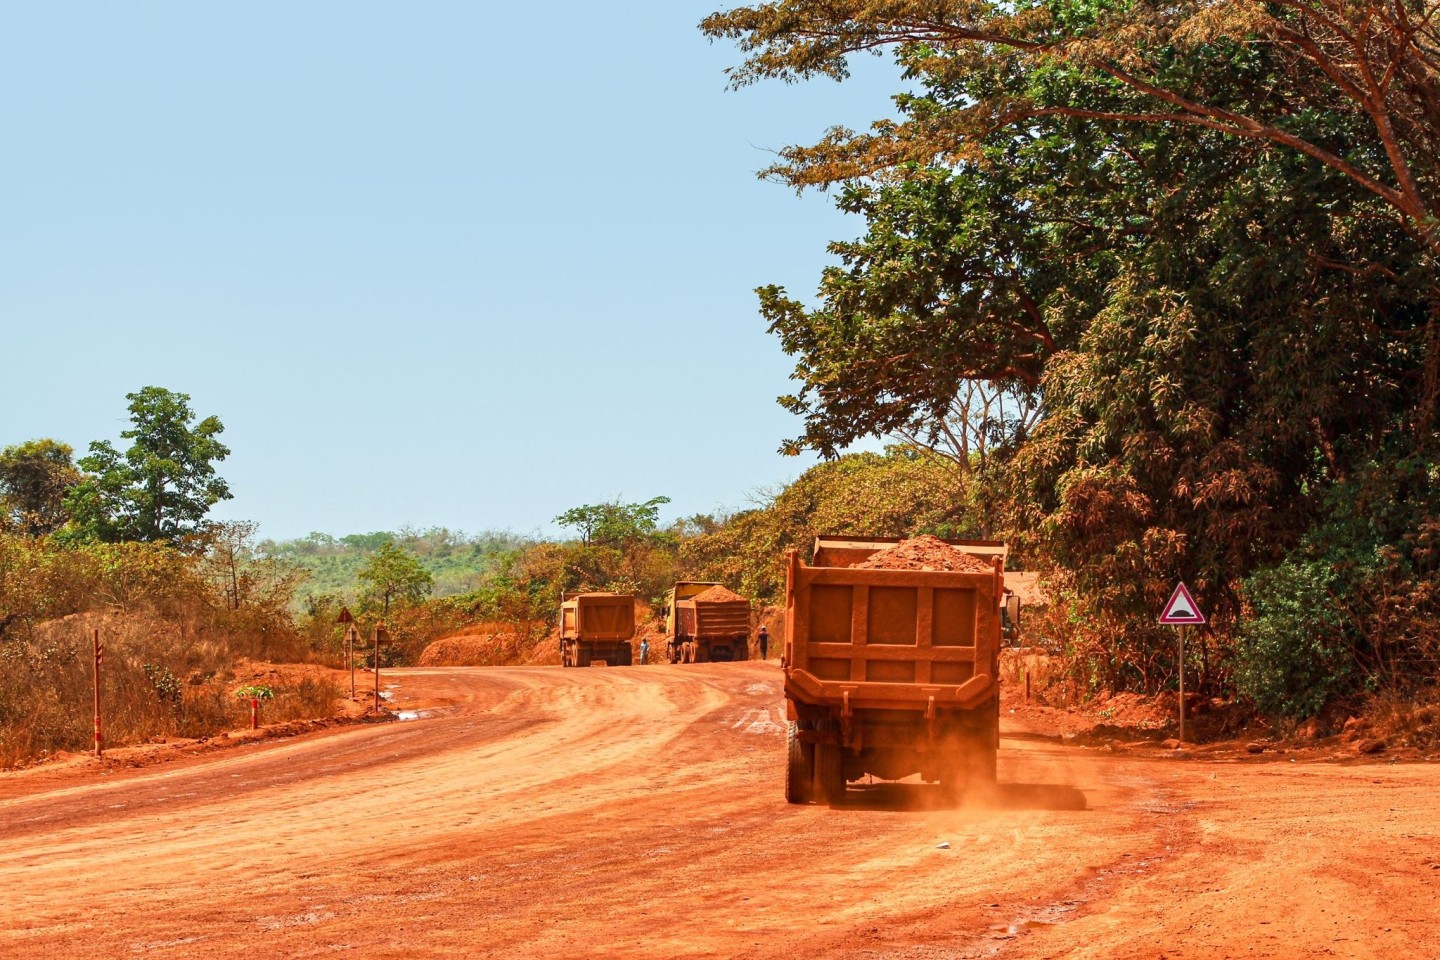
x: 892, y: 663
x: 706, y: 622
x: 596, y: 627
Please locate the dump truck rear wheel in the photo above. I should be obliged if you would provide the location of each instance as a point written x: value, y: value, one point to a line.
x: 800, y: 766
x: 829, y: 780
x: 829, y: 773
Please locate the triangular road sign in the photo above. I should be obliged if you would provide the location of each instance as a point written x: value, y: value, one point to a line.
x: 1182, y: 608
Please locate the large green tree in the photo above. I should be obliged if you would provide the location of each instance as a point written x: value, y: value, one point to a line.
x: 615, y: 524
x: 393, y: 575
x: 161, y: 488
x: 35, y: 478
x: 1352, y: 87
x: 1224, y: 328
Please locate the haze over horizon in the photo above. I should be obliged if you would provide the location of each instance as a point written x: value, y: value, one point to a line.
x: 425, y: 274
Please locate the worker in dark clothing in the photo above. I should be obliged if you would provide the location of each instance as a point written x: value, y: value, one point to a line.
x: 764, y: 639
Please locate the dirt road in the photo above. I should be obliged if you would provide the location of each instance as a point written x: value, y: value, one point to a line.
x: 544, y: 812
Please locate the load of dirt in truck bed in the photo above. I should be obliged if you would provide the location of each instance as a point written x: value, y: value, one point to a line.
x: 718, y: 594
x: 925, y: 553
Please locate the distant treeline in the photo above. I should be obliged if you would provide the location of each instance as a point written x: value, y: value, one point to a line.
x: 457, y: 562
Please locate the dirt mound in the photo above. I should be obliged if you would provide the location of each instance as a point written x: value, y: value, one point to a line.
x: 545, y: 651
x: 925, y: 553
x: 718, y: 594
x: 470, y: 650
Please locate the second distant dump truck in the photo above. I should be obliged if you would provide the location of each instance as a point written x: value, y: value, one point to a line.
x: 892, y: 664
x: 596, y: 628
x: 706, y: 622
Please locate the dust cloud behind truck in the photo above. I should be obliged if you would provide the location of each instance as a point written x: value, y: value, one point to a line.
x: 596, y: 627
x: 892, y: 663
x: 705, y: 622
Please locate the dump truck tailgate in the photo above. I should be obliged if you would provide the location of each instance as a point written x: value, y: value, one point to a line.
x: 598, y: 617
x: 892, y: 639
x: 727, y: 618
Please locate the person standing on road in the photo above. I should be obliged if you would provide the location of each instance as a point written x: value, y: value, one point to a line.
x: 764, y: 639
x: 644, y: 650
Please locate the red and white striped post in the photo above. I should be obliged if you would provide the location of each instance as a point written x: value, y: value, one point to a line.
x: 99, y: 657
x: 254, y: 713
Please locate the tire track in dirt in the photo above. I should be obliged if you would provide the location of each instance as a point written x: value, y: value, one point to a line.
x: 541, y: 812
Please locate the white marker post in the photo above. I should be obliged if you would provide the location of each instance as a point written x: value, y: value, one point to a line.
x: 1182, y: 611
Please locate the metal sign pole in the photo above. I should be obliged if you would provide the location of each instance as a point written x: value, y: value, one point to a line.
x: 350, y: 658
x: 1182, y: 683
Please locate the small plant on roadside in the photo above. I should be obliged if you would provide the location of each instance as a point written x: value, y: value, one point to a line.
x: 167, y: 689
x: 255, y: 691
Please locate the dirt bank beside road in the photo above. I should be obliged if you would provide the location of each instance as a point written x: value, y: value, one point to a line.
x: 542, y: 812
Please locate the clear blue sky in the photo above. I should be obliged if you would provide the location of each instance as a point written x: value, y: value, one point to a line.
x: 431, y: 263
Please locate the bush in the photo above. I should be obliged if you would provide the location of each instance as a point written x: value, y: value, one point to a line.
x: 1297, y: 653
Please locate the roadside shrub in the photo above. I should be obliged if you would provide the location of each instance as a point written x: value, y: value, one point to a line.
x: 1297, y: 652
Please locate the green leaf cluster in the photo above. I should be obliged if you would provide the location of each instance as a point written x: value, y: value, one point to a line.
x: 393, y: 575
x: 901, y: 492
x: 35, y: 478
x: 164, y: 484
x: 1190, y: 247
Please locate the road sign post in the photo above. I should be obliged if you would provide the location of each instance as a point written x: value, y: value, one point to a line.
x: 99, y: 657
x: 1182, y: 611
x: 348, y: 620
x: 350, y: 637
x: 1182, y: 684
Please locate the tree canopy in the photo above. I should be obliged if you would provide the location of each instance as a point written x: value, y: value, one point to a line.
x: 35, y: 478
x: 393, y: 575
x: 1188, y: 234
x: 614, y: 524
x: 162, y: 487
x: 1376, y: 62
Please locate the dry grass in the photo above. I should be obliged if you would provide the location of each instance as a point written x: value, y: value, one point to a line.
x: 1402, y: 721
x: 159, y: 678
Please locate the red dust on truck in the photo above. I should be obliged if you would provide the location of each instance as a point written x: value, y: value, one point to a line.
x: 707, y: 622
x: 596, y: 628
x: 892, y: 664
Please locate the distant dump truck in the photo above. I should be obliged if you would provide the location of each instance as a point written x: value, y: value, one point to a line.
x: 706, y: 621
x: 892, y: 663
x: 596, y: 627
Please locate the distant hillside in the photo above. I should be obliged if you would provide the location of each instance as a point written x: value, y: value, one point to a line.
x: 458, y: 561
